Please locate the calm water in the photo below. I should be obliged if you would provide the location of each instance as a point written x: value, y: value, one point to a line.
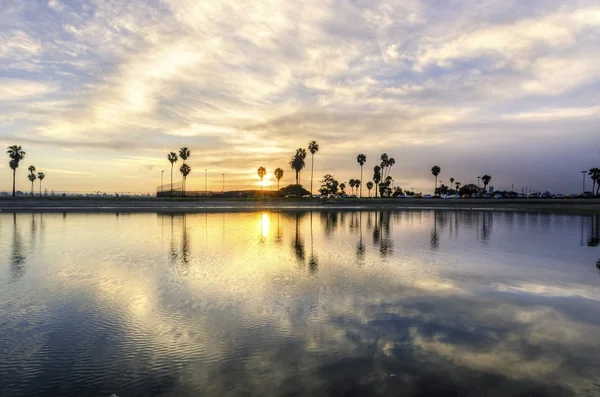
x: 300, y: 304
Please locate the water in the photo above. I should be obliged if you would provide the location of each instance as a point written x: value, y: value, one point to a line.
x: 411, y: 303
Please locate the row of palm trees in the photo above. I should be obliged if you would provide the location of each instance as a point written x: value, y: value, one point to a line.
x: 16, y: 155
x: 185, y: 169
x: 594, y: 174
x: 436, y: 170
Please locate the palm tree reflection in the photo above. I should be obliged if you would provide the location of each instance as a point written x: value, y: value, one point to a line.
x: 594, y: 237
x: 298, y: 244
x: 17, y: 258
x: 360, y: 247
x: 434, y: 241
x: 313, y: 262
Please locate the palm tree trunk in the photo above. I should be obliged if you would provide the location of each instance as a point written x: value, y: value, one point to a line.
x: 312, y: 169
x: 31, y: 188
x: 361, y: 179
x: 14, y: 176
x: 171, y: 179
x: 297, y: 178
x: 40, y: 188
x: 278, y: 184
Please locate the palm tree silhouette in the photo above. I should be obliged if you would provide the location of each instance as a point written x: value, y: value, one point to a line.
x: 361, y: 159
x: 343, y: 187
x: 41, y: 177
x: 486, y: 180
x: 185, y: 171
x: 297, y: 163
x: 31, y: 176
x: 16, y: 154
x: 357, y: 184
x: 262, y: 171
x: 594, y: 173
x: 172, y: 157
x: 451, y: 182
x: 376, y: 177
x: 351, y: 183
x: 435, y: 170
x: 184, y: 154
x: 458, y: 185
x: 313, y: 147
x: 278, y: 175
x: 369, y: 187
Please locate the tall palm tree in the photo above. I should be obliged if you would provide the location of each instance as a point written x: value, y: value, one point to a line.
x: 262, y: 171
x: 185, y: 171
x: 32, y: 177
x: 172, y: 157
x: 351, y: 183
x: 16, y: 154
x: 41, y: 177
x: 357, y: 184
x: 486, y: 180
x: 435, y: 170
x: 451, y: 182
x: 313, y: 147
x: 458, y: 185
x: 361, y: 159
x: 278, y: 175
x: 343, y: 187
x: 297, y: 163
x: 184, y: 154
x: 369, y: 187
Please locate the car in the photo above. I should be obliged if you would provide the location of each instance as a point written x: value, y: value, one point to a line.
x: 323, y: 197
x: 445, y: 196
x: 291, y: 196
x: 510, y: 195
x: 486, y: 196
x: 559, y: 196
x: 353, y: 196
x: 408, y: 196
x: 498, y: 196
x: 521, y: 195
x: 427, y: 196
x: 316, y: 196
x: 572, y: 195
x: 418, y: 196
x: 534, y: 196
x: 587, y: 195
x: 306, y: 196
x: 476, y: 195
x: 455, y: 196
x: 400, y: 196
x: 546, y: 195
x: 344, y: 196
x: 332, y: 196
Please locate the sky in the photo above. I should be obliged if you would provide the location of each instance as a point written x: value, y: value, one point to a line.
x: 98, y: 92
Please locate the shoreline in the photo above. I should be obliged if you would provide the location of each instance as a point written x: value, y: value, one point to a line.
x: 167, y: 205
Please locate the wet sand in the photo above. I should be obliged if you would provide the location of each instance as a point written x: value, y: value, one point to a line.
x: 143, y: 204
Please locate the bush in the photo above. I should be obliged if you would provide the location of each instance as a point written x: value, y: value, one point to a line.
x: 296, y: 190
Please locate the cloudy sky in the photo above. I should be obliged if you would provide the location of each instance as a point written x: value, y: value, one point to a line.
x: 97, y: 92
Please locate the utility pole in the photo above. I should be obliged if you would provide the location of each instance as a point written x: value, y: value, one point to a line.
x: 583, y: 178
x: 223, y: 183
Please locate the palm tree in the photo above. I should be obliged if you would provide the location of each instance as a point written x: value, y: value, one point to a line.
x: 435, y: 170
x: 16, y: 154
x: 361, y: 159
x: 262, y: 171
x: 185, y: 171
x: 458, y: 185
x: 451, y: 182
x: 594, y: 173
x: 376, y: 177
x: 184, y: 154
x: 313, y: 147
x: 41, y: 177
x: 369, y: 187
x: 486, y: 180
x: 31, y: 176
x: 356, y: 184
x: 343, y: 187
x: 297, y: 163
x: 172, y: 157
x: 278, y: 175
x: 351, y: 182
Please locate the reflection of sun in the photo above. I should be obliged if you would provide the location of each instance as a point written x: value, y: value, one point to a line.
x: 264, y: 224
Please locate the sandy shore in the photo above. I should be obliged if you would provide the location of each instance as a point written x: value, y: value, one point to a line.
x: 22, y: 204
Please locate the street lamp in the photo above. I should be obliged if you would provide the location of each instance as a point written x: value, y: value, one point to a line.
x: 583, y: 179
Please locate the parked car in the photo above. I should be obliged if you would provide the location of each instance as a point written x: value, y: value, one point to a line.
x: 510, y: 195
x: 521, y: 195
x: 427, y: 196
x: 455, y: 196
x: 466, y: 196
x: 572, y: 195
x: 353, y: 196
x: 546, y: 195
x: 332, y: 196
x: 498, y: 196
x: 476, y: 195
x: 400, y: 196
x: 534, y: 195
x: 587, y: 195
x: 306, y: 196
x: 291, y: 196
x: 418, y: 196
x: 486, y: 196
x: 559, y: 196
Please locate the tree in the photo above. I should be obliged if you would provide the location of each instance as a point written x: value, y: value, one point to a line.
x: 369, y: 187
x: 41, y: 177
x: 351, y: 183
x: 185, y: 171
x: 361, y: 159
x: 486, y: 180
x: 313, y: 147
x: 357, y: 184
x: 278, y: 175
x: 262, y: 171
x: 184, y: 154
x: 329, y: 185
x: 376, y: 177
x: 594, y: 173
x: 31, y: 176
x: 435, y: 171
x: 343, y: 187
x: 452, y: 181
x: 172, y: 157
x: 16, y: 154
x: 297, y: 163
x: 457, y: 186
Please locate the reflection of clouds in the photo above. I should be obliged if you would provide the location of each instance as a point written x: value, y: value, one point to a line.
x: 244, y: 318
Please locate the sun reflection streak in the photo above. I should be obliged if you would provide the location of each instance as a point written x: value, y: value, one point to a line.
x: 264, y: 224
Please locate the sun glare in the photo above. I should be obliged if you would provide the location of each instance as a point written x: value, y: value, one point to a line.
x: 264, y: 224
